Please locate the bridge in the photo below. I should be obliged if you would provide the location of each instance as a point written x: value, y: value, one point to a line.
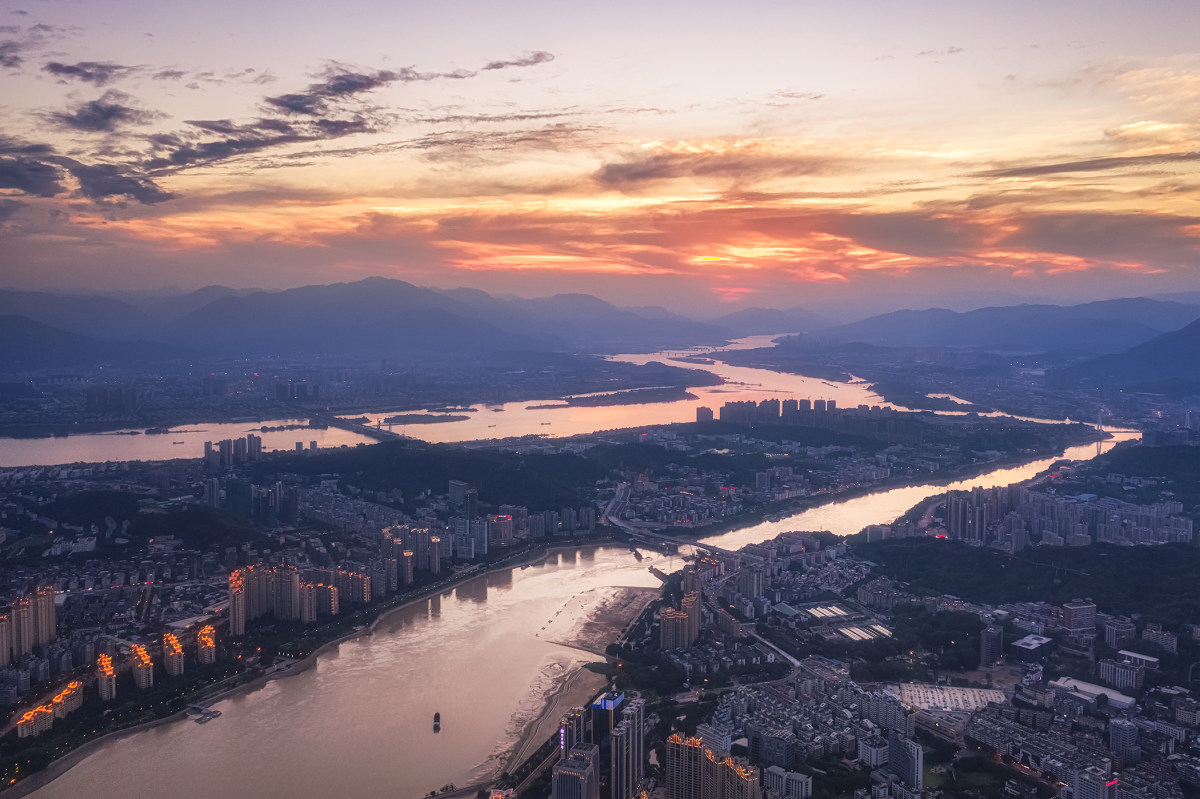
x: 377, y: 433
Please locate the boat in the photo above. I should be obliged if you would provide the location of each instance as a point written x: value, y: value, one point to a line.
x: 437, y: 722
x: 176, y: 442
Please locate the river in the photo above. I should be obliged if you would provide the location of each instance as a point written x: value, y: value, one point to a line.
x: 359, y: 722
x: 484, y: 421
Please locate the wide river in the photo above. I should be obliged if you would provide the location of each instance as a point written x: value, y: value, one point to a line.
x: 484, y: 421
x: 359, y: 722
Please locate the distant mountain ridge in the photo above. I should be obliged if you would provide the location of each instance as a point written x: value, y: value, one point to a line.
x: 1096, y: 327
x: 1169, y: 363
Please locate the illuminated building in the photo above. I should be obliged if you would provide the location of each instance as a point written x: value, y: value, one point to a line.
x: 500, y: 530
x: 41, y: 718
x: 570, y: 729
x: 106, y: 678
x: 435, y: 555
x: 683, y: 767
x: 604, y: 715
x: 308, y: 603
x: 238, y: 599
x: 206, y: 645
x: 407, y: 561
x: 172, y: 655
x: 143, y: 667
x: 327, y: 600
x: 576, y: 776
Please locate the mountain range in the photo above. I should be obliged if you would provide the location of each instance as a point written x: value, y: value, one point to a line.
x: 385, y: 318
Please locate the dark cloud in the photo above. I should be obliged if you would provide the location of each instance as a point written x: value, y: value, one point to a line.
x: 339, y: 84
x: 104, y: 181
x: 104, y: 115
x: 169, y: 74
x: 735, y: 165
x: 1093, y: 165
x: 31, y: 176
x: 527, y: 60
x: 97, y: 73
x: 8, y: 208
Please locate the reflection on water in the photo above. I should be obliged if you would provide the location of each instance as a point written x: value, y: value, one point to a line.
x: 884, y: 507
x: 360, y: 723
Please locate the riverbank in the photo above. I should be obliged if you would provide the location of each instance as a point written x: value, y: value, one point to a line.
x: 60, y: 766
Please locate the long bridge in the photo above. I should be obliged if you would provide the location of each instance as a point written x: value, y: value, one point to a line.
x: 377, y: 433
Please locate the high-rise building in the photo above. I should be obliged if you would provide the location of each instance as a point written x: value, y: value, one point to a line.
x: 206, y: 645
x: 286, y: 592
x: 1079, y: 616
x: 682, y: 775
x: 458, y: 492
x: 1118, y: 632
x: 143, y: 667
x: 106, y: 678
x: 991, y: 645
x: 906, y: 760
x: 172, y: 655
x: 628, y: 748
x: 435, y: 554
x: 1123, y: 739
x: 571, y: 729
x: 407, y: 562
x: 576, y: 776
x: 605, y: 712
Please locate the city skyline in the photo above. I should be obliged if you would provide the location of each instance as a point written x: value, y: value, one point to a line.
x: 699, y: 156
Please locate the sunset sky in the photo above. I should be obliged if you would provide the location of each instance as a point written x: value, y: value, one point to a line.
x: 698, y: 155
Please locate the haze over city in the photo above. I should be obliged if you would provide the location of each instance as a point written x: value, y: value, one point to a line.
x: 461, y: 400
x: 701, y: 155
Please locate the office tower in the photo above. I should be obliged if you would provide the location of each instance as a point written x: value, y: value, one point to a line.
x: 683, y: 767
x: 576, y: 776
x: 906, y: 760
x: 1094, y: 783
x: 143, y: 667
x: 605, y: 711
x: 206, y: 645
x: 1079, y: 616
x: 1123, y: 739
x: 106, y: 678
x: 479, y: 534
x: 458, y: 492
x: 628, y: 746
x: 991, y: 645
x: 172, y: 655
x: 571, y: 729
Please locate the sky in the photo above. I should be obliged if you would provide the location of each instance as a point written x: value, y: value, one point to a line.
x: 700, y: 156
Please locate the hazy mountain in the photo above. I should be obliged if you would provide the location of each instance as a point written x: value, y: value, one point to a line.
x: 177, y: 306
x: 1096, y: 327
x: 759, y: 321
x: 374, y: 317
x: 95, y: 317
x: 581, y: 320
x: 1170, y: 363
x: 28, y: 344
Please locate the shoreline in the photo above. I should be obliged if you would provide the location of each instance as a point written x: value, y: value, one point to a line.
x: 62, y: 765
